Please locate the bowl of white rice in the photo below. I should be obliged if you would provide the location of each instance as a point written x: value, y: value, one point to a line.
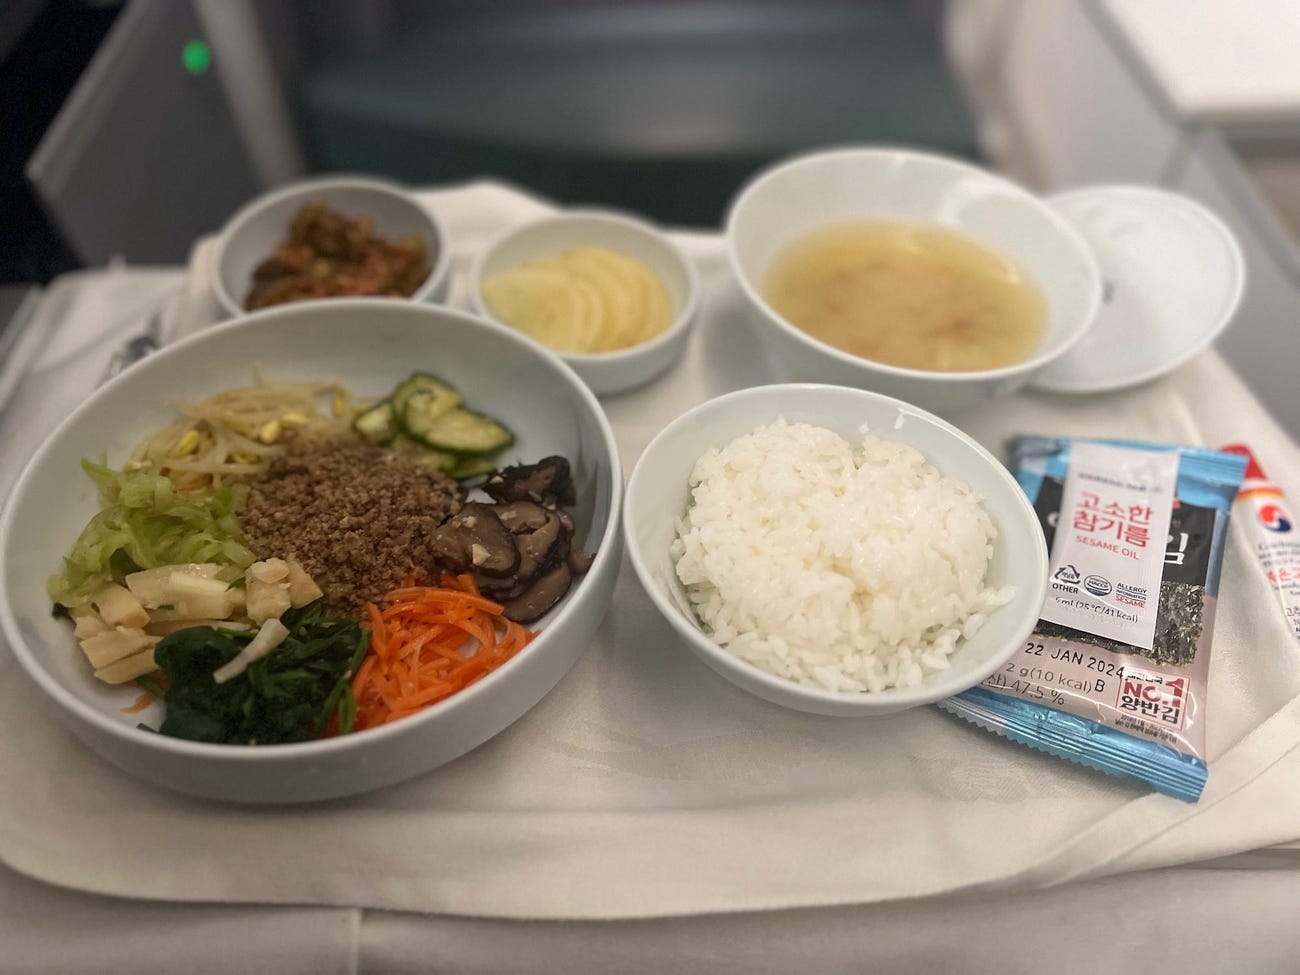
x: 834, y: 550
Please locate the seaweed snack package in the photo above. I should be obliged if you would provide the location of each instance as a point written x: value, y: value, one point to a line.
x: 1114, y: 676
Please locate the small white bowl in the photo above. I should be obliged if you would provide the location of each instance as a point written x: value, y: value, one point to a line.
x: 796, y: 197
x: 604, y: 372
x: 368, y: 343
x: 658, y: 493
x: 253, y: 233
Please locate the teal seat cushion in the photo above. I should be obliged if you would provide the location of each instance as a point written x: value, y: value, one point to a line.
x: 662, y: 109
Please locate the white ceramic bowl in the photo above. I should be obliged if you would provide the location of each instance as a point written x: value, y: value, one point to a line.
x: 796, y: 197
x: 370, y: 344
x: 604, y: 372
x: 254, y: 232
x: 658, y: 494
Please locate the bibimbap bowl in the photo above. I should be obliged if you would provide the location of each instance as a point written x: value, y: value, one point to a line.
x: 368, y: 344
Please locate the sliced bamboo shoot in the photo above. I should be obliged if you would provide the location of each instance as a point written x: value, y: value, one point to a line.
x: 128, y: 668
x: 118, y: 607
x: 302, y: 587
x: 114, y: 645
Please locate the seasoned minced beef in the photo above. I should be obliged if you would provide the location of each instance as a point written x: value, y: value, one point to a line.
x: 357, y: 517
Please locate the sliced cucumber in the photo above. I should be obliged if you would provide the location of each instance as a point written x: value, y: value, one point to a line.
x: 470, y: 466
x: 378, y: 424
x: 424, y: 420
x: 423, y: 408
x: 462, y: 431
x: 440, y: 399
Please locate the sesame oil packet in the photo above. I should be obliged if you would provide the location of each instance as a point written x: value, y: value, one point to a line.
x: 1115, y: 674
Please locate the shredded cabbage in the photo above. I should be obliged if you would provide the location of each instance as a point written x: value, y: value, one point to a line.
x: 145, y: 523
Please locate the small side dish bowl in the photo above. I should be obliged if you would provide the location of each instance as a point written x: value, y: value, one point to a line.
x: 604, y: 372
x: 254, y: 232
x: 658, y: 494
x: 794, y: 198
x: 366, y: 344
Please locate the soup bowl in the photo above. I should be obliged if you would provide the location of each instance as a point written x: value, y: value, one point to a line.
x: 794, y: 198
x: 369, y: 344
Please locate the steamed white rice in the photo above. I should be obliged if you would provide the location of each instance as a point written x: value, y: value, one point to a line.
x: 852, y: 570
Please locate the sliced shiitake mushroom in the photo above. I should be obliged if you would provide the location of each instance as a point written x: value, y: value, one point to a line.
x: 549, y: 482
x: 542, y: 537
x: 537, y: 549
x: 578, y: 561
x: 519, y: 550
x: 522, y: 516
x: 475, y: 540
x: 500, y: 590
x: 534, y: 602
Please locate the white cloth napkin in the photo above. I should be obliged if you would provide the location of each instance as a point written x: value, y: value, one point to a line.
x: 64, y: 348
x: 644, y: 785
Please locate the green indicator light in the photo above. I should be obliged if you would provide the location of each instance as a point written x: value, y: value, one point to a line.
x: 197, y: 57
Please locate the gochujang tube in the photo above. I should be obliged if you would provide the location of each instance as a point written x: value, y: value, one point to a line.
x: 1270, y: 527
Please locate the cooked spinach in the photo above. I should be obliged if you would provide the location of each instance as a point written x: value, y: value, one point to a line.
x: 292, y: 694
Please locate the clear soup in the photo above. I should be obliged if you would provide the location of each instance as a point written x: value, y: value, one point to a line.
x: 912, y: 295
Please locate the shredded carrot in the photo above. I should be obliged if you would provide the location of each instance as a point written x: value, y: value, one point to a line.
x: 427, y: 643
x: 157, y: 680
x: 141, y: 702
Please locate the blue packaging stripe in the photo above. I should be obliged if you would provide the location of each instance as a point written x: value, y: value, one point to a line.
x: 1029, y: 473
x: 1084, y: 741
x: 1208, y: 478
x: 1183, y: 784
x: 1175, y: 781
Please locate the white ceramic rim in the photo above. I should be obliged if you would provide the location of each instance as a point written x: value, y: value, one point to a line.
x: 1063, y: 226
x: 437, y: 274
x: 1238, y: 271
x: 926, y: 693
x: 618, y: 218
x: 325, y: 746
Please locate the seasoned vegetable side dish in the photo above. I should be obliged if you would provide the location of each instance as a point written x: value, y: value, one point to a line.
x: 284, y: 563
x: 584, y: 300
x: 330, y: 255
